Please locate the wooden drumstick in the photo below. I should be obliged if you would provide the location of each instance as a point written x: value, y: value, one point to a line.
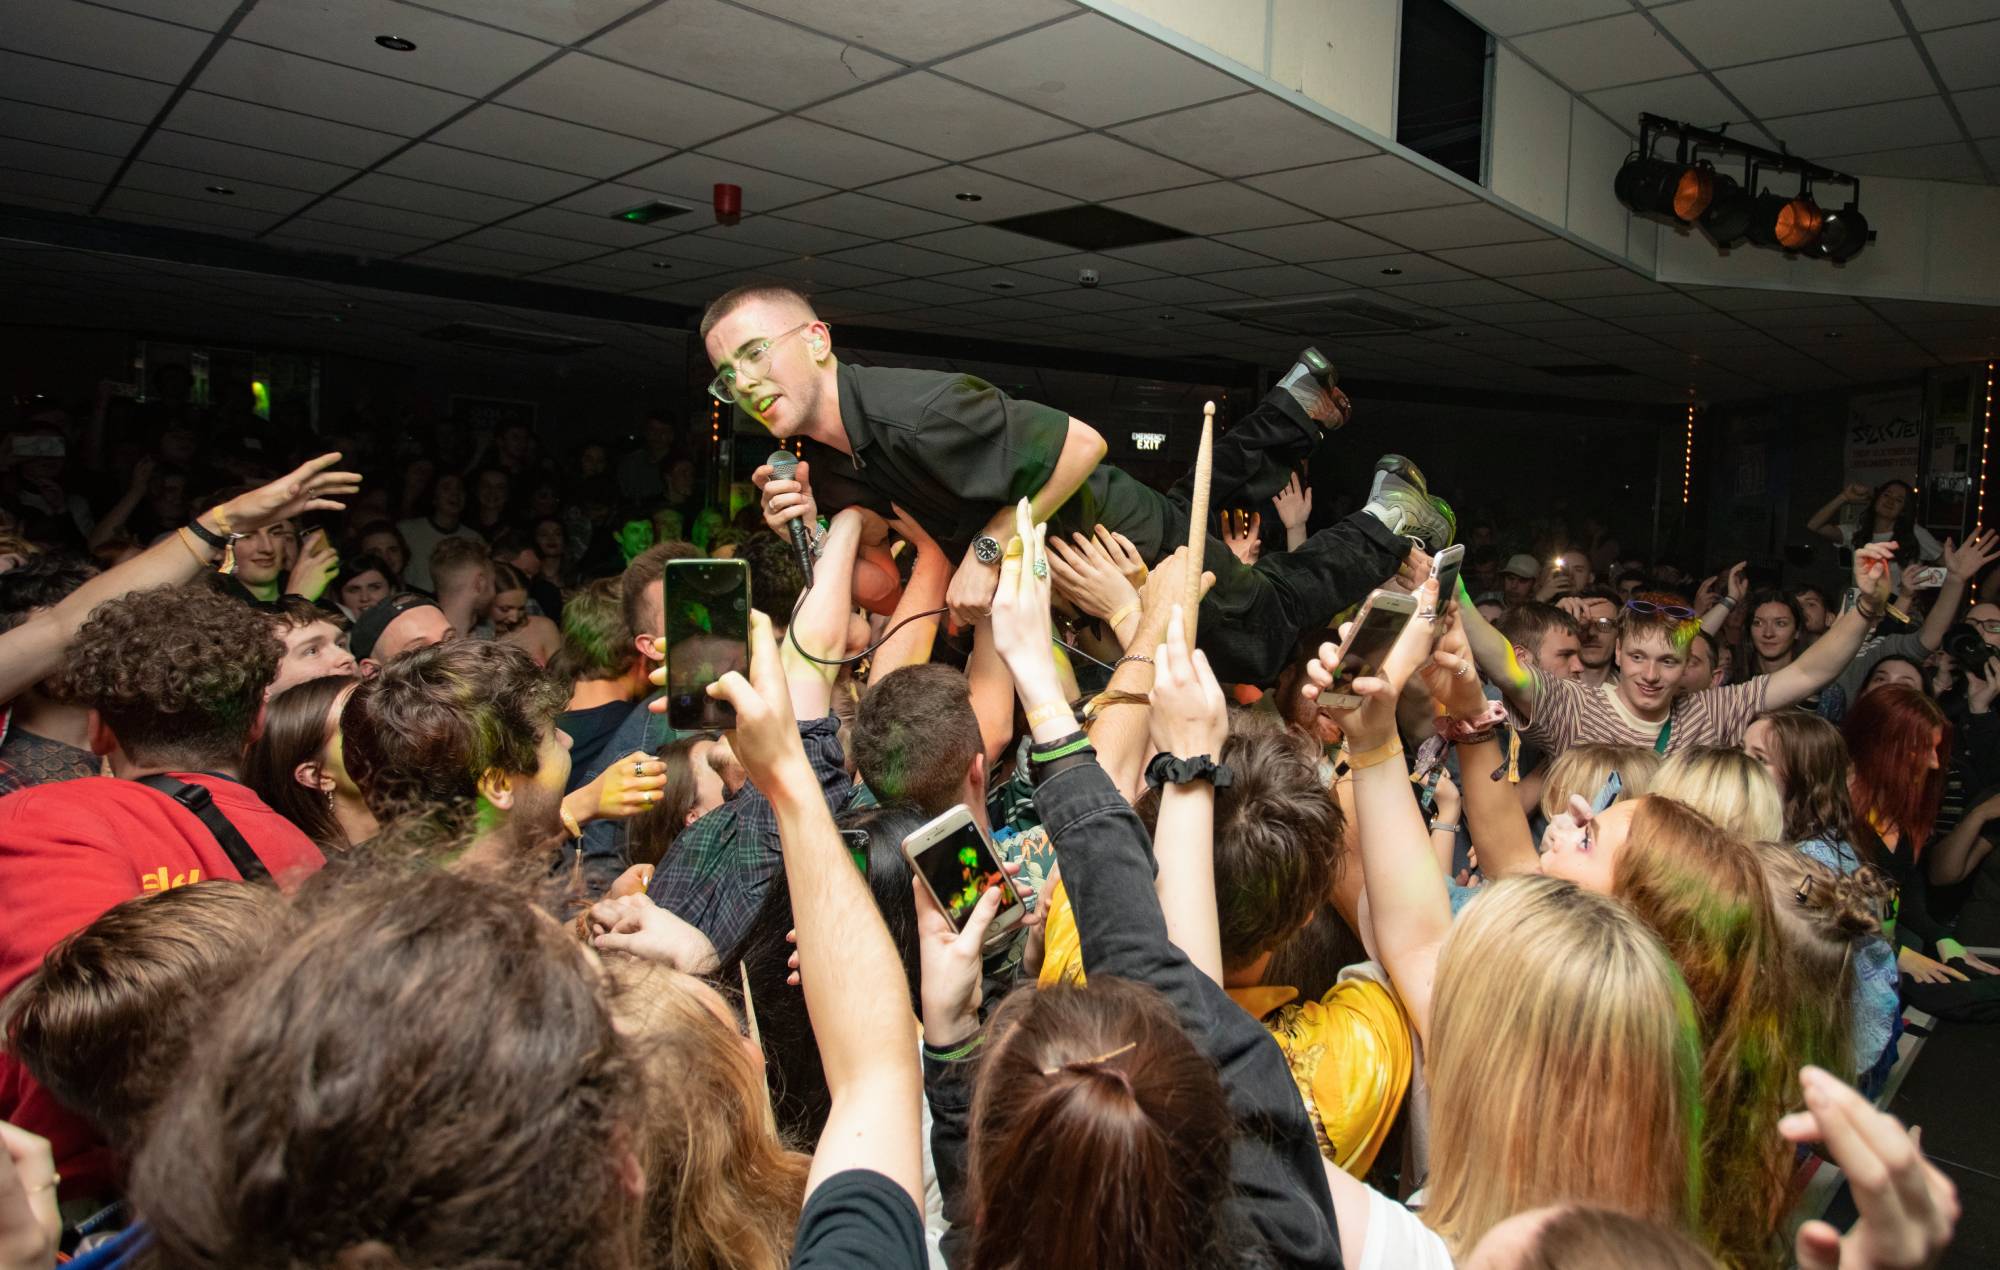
x: 1204, y: 460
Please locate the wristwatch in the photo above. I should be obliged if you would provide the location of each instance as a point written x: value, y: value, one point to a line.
x: 1169, y: 769
x: 986, y: 549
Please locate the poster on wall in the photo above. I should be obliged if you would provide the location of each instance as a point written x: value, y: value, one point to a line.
x: 1884, y: 430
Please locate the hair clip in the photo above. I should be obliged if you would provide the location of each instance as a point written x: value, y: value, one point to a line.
x: 1091, y: 1062
x: 1805, y: 885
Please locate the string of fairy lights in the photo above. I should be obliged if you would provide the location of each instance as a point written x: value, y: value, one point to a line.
x: 1687, y: 458
x: 1985, y: 444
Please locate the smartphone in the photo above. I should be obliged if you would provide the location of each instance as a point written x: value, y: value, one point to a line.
x: 1931, y: 576
x: 955, y: 860
x: 1445, y: 567
x: 1367, y: 645
x: 707, y: 626
x: 38, y: 446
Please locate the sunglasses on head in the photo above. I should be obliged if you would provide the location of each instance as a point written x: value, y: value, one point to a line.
x: 1678, y: 612
x: 857, y: 848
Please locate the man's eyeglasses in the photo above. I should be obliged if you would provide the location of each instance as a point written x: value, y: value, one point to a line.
x: 723, y: 386
x: 1598, y: 624
x: 1678, y: 612
x: 1991, y: 627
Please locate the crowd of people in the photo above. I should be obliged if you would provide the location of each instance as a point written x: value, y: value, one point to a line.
x: 361, y: 907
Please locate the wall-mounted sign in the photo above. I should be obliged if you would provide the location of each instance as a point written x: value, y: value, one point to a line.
x: 1148, y: 440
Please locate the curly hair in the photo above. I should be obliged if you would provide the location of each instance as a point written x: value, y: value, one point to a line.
x: 422, y: 732
x: 596, y: 643
x: 178, y: 674
x: 37, y: 583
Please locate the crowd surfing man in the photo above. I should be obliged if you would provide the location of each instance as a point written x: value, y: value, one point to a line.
x: 955, y: 453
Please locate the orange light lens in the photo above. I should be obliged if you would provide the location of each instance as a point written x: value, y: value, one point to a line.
x: 1798, y: 224
x: 1693, y: 193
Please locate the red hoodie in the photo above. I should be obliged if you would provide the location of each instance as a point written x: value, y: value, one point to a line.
x: 71, y: 850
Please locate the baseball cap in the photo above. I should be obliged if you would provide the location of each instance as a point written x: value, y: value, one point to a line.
x: 1522, y: 565
x: 369, y: 626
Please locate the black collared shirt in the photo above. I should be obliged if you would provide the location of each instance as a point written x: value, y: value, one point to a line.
x: 952, y: 449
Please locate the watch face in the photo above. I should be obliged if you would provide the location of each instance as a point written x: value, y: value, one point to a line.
x: 986, y: 549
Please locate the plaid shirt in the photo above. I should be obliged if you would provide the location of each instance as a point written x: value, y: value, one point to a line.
x: 715, y: 875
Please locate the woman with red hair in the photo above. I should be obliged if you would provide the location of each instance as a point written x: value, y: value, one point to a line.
x: 1901, y: 744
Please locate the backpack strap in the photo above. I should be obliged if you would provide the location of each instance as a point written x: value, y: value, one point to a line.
x: 197, y: 800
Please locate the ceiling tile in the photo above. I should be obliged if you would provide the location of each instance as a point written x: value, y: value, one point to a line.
x: 106, y: 39
x: 192, y: 185
x: 897, y: 258
x: 1859, y: 129
x: 1694, y: 98
x: 211, y: 215
x: 209, y: 15
x: 36, y: 79
x: 1604, y: 52
x: 1188, y: 255
x: 1517, y: 17
x: 1110, y: 270
x: 691, y: 177
x: 925, y: 291
x: 541, y: 246
x: 1359, y: 187
x: 1620, y: 307
x: 1464, y: 291
x: 600, y: 94
x: 1505, y: 260
x: 177, y: 149
x: 1967, y: 56
x: 1728, y: 32
x: 916, y: 30
x: 1409, y: 266
x: 565, y: 23
x: 1179, y: 291
x: 1854, y: 76
x: 462, y: 169
x: 1239, y: 136
x: 1951, y: 161
x: 1464, y: 225
x: 726, y: 252
x: 1275, y: 280
x: 740, y: 52
x: 476, y: 260
x: 837, y: 305
x: 823, y: 273
x: 395, y: 220
x: 815, y: 152
x: 245, y: 123
x: 313, y: 235
x: 79, y: 165
x: 1514, y: 311
x: 588, y: 275
x: 458, y: 56
x: 422, y: 196
x: 778, y: 234
x: 1062, y: 69
x: 937, y: 116
x: 1929, y: 15
x: 1219, y: 207
x: 551, y: 143
x: 28, y: 122
x: 869, y: 217
x: 1092, y: 167
x: 271, y: 77
x: 1585, y: 282
x: 1019, y: 282
x: 608, y: 231
x: 938, y: 191
x: 984, y: 242
x: 1315, y: 240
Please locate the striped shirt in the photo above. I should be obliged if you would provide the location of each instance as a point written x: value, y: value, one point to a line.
x: 1569, y: 713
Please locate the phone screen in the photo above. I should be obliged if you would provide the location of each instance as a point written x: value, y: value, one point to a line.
x: 1372, y: 639
x: 707, y: 625
x: 959, y: 868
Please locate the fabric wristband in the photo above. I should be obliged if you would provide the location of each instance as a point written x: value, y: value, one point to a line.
x: 1392, y: 748
x: 1118, y: 619
x: 958, y: 1053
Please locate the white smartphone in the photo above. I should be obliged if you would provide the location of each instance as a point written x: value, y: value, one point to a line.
x: 1367, y: 645
x: 1445, y: 567
x: 1930, y: 576
x: 956, y: 862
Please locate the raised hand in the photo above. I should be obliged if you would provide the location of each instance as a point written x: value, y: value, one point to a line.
x: 1123, y: 554
x: 1982, y: 547
x: 1982, y: 686
x: 1706, y: 595
x: 29, y: 1222
x: 766, y: 736
x: 1373, y: 722
x: 624, y: 789
x: 634, y: 924
x: 911, y: 530
x: 1872, y: 568
x: 316, y: 568
x: 1857, y: 493
x: 1189, y: 716
x: 310, y: 487
x: 1240, y: 534
x: 1294, y: 503
x: 1021, y: 612
x: 1085, y: 572
x: 1908, y: 1208
x: 1738, y: 583
x: 951, y: 966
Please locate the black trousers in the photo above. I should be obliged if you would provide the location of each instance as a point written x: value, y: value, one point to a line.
x: 1254, y: 616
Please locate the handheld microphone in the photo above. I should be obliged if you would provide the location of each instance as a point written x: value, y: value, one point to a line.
x: 785, y: 467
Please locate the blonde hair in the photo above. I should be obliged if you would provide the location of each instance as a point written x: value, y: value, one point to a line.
x: 1564, y: 1064
x: 1729, y: 787
x: 722, y: 1192
x: 1822, y: 917
x: 1582, y: 769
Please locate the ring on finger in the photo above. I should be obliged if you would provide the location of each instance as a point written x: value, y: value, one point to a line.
x: 1041, y: 566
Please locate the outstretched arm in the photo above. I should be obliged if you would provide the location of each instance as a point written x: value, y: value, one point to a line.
x: 1817, y: 666
x: 1961, y: 566
x: 820, y: 626
x: 31, y: 651
x: 1495, y: 656
x: 911, y: 645
x: 1825, y: 521
x: 971, y: 592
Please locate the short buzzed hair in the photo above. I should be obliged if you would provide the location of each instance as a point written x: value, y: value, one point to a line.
x: 456, y: 556
x: 646, y: 568
x: 771, y: 292
x: 1527, y: 624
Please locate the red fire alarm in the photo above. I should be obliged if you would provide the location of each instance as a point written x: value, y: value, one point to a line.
x: 728, y: 204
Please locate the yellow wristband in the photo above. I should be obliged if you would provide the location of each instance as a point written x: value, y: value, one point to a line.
x: 1392, y: 748
x: 1047, y: 710
x: 1118, y: 619
x: 569, y: 822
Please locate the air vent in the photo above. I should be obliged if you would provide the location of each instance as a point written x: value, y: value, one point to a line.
x: 1586, y: 370
x: 1088, y: 227
x: 1344, y: 313
x: 647, y: 213
x: 509, y: 339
